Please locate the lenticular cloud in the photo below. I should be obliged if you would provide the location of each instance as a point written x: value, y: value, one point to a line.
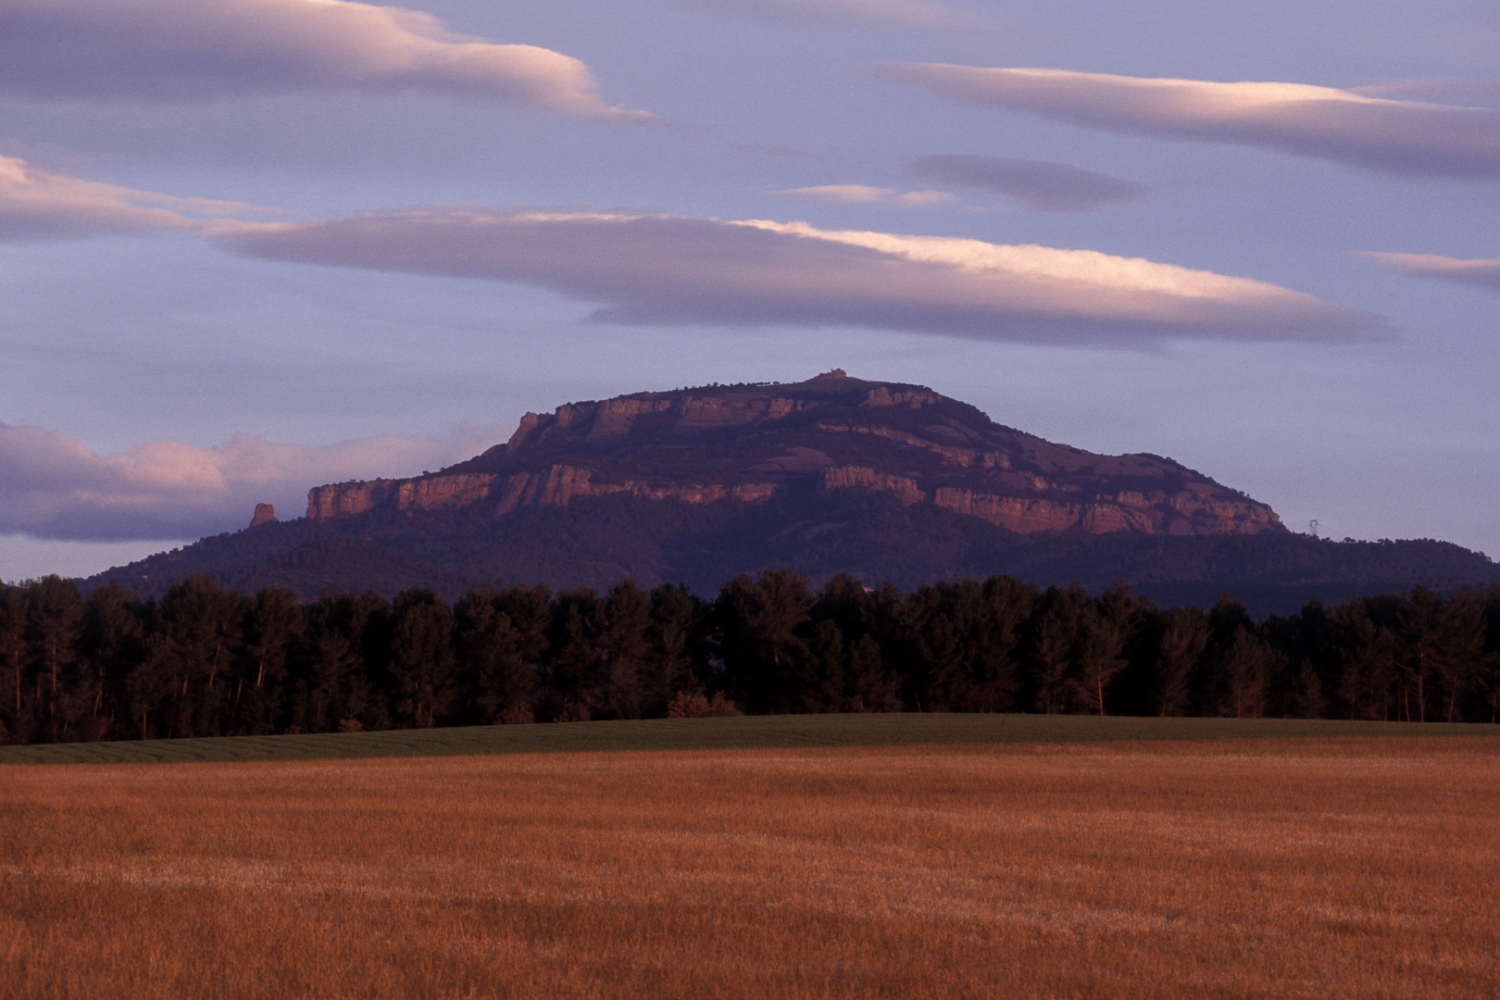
x: 192, y: 50
x: 40, y: 204
x: 1409, y: 138
x: 1484, y: 273
x: 659, y: 269
x: 864, y: 194
x: 1040, y: 185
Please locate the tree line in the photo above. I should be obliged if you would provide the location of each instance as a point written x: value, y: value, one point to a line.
x: 206, y: 661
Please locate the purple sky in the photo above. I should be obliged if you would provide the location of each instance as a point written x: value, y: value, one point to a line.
x: 251, y: 246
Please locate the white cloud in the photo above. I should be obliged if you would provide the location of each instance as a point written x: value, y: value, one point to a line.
x: 197, y: 50
x: 1394, y: 136
x: 660, y: 269
x: 51, y: 486
x: 863, y: 194
x: 1469, y: 93
x: 1483, y: 273
x: 36, y: 203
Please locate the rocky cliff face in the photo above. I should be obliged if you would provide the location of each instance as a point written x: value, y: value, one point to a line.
x: 753, y: 443
x: 554, y: 486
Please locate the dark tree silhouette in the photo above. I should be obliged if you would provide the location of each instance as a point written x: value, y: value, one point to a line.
x: 575, y: 667
x: 1185, y: 634
x: 64, y: 694
x: 495, y: 680
x: 1064, y: 622
x: 196, y: 632
x: 275, y: 629
x: 342, y: 673
x: 205, y: 661
x: 625, y: 644
x: 1367, y: 662
x: 113, y: 644
x: 422, y: 657
x: 1102, y: 650
x: 676, y: 638
x: 1246, y: 667
x: 760, y: 639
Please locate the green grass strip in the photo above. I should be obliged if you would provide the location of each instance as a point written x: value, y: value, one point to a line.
x: 749, y: 732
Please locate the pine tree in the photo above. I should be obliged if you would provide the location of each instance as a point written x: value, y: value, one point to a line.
x: 760, y: 627
x: 422, y: 664
x: 1184, y: 638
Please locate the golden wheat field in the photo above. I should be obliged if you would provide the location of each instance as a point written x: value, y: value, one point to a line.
x: 1255, y: 868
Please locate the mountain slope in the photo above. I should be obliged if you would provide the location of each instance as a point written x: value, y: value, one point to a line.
x: 885, y: 481
x: 831, y: 434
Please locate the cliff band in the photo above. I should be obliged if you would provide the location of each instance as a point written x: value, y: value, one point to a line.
x: 752, y: 443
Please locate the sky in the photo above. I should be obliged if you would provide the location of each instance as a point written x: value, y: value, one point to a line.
x: 248, y: 247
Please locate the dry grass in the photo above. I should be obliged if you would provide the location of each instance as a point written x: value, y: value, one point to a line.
x: 1304, y: 868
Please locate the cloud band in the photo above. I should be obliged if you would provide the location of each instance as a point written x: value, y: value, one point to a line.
x: 191, y: 50
x: 1481, y: 273
x: 1393, y: 136
x: 659, y: 269
x: 1040, y: 185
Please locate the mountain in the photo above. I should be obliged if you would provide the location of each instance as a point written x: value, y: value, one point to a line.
x: 886, y: 481
x: 752, y: 444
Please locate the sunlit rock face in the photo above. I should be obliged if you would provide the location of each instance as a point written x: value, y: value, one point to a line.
x: 753, y: 443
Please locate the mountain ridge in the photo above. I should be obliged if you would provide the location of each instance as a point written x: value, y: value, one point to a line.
x: 885, y: 481
x: 922, y: 448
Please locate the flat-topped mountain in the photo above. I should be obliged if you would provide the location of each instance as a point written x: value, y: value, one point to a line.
x: 885, y: 481
x: 757, y: 443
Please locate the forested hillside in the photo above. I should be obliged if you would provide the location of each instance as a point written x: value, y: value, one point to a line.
x: 206, y: 661
x: 597, y: 541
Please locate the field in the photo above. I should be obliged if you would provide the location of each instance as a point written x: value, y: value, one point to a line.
x: 761, y: 732
x: 1288, y: 867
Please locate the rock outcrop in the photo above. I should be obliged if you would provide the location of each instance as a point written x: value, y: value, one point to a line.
x: 854, y: 477
x: 554, y: 486
x: 346, y: 499
x: 264, y: 514
x: 754, y: 443
x: 560, y: 484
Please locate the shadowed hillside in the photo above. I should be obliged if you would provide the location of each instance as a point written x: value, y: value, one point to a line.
x: 884, y: 481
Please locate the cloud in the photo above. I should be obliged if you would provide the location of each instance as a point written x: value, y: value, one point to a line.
x: 38, y: 204
x: 1039, y: 185
x: 1484, y: 273
x: 1407, y: 138
x: 51, y: 486
x: 863, y: 194
x: 200, y: 50
x: 889, y: 13
x: 663, y: 269
x: 1470, y: 93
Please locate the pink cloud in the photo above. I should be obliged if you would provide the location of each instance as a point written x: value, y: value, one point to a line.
x: 1468, y: 93
x: 52, y: 486
x: 192, y: 50
x: 1483, y: 273
x: 36, y: 203
x: 863, y: 194
x: 1393, y: 136
x: 661, y: 269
